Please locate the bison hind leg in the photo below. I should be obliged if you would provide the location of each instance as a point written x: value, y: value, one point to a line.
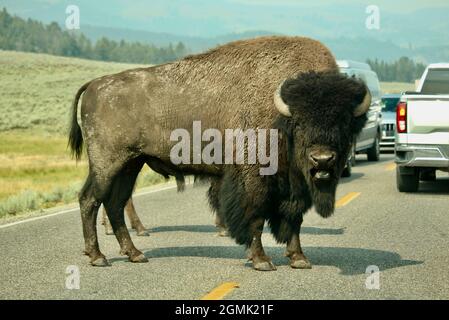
x: 89, y: 206
x: 115, y: 201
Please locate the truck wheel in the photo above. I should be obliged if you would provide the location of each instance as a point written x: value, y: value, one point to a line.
x: 374, y: 152
x: 407, y: 182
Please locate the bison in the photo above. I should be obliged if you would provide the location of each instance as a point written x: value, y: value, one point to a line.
x: 289, y: 84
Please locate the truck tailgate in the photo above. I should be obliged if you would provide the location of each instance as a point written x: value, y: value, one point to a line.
x: 428, y: 119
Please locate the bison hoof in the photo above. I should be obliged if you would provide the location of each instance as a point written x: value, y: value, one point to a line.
x: 143, y: 233
x: 301, y: 264
x: 100, y: 262
x: 264, y: 266
x: 138, y: 259
x: 222, y: 232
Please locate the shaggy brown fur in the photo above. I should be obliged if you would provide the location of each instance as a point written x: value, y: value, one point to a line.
x: 127, y: 119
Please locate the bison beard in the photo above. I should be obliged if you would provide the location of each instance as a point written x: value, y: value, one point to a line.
x: 323, y: 198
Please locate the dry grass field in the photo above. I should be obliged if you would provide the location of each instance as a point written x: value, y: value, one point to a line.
x: 37, y: 90
x: 396, y: 87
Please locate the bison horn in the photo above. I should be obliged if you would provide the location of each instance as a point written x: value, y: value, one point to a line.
x: 282, y: 107
x: 364, y: 106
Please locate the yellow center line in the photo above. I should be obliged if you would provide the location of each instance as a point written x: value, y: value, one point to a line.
x: 390, y: 166
x: 221, y: 291
x: 346, y: 199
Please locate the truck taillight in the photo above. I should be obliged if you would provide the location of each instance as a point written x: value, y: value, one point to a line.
x: 401, y: 117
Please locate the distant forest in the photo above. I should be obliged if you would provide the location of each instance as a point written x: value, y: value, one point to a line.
x: 402, y: 70
x: 34, y: 36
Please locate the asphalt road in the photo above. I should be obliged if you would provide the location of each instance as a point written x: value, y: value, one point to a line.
x: 405, y: 235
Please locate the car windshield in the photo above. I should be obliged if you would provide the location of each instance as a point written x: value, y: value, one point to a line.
x: 436, y: 82
x: 373, y: 84
x: 389, y: 104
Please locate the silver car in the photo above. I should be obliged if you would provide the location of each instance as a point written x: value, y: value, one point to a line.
x: 389, y: 103
x: 368, y: 141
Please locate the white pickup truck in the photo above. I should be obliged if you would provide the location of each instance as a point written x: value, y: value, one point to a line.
x: 422, y: 129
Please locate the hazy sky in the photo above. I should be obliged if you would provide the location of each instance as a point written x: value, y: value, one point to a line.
x: 215, y: 17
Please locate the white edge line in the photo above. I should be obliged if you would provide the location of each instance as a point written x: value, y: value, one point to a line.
x: 75, y: 209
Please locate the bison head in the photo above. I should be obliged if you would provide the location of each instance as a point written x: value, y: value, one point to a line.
x: 321, y: 114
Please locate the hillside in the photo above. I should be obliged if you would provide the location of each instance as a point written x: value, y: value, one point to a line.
x: 38, y: 89
x: 17, y: 34
x: 345, y: 46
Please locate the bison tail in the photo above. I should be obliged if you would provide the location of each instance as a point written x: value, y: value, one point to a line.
x: 75, y: 136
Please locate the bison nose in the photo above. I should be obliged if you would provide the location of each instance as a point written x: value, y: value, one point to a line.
x: 322, y: 159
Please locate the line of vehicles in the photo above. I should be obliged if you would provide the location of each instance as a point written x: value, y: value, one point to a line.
x: 415, y: 125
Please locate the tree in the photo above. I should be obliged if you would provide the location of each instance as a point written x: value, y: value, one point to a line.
x: 402, y: 70
x: 33, y: 36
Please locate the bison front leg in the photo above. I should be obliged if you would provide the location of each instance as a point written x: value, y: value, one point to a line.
x: 221, y: 226
x: 257, y: 255
x: 294, y: 251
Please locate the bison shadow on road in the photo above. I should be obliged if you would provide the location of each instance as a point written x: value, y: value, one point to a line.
x: 350, y: 261
x: 212, y: 229
x: 185, y: 228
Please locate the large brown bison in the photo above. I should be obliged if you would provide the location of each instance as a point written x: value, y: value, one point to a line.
x: 291, y: 84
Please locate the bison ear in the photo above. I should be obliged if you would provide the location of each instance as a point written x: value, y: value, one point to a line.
x: 280, y: 105
x: 363, y: 107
